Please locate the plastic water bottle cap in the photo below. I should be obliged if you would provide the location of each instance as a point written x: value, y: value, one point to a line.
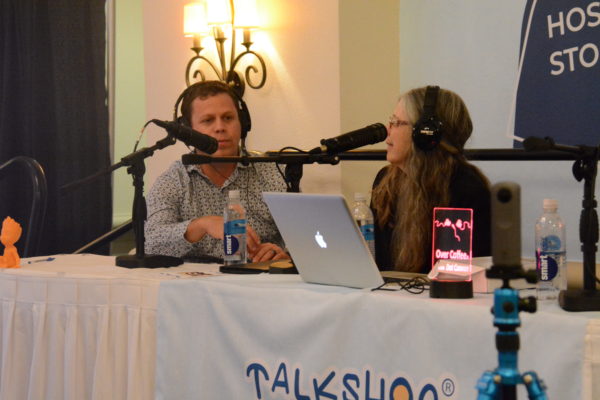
x: 550, y: 204
x: 234, y: 194
x: 358, y: 196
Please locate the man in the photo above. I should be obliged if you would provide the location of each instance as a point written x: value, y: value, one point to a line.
x: 186, y: 203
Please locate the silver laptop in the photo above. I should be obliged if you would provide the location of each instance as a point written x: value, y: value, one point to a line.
x: 323, y: 239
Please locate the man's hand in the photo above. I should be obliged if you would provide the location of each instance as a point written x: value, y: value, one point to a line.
x: 268, y: 251
x: 212, y: 225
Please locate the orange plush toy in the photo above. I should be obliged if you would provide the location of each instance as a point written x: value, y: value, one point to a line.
x: 11, y: 232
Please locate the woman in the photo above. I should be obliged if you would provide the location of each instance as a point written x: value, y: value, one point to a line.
x: 422, y: 176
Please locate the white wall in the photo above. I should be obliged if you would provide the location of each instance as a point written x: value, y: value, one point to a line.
x: 130, y: 103
x: 369, y: 64
x: 166, y: 53
x: 472, y: 47
x: 299, y: 104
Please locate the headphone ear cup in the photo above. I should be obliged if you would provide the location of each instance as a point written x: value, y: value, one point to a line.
x: 245, y: 121
x: 427, y: 133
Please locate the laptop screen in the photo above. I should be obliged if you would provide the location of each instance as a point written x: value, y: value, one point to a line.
x: 324, y: 241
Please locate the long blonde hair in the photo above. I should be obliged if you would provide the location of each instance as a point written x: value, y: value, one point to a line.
x: 405, y: 197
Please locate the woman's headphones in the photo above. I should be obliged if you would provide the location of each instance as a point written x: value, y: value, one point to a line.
x: 240, y: 105
x: 428, y: 130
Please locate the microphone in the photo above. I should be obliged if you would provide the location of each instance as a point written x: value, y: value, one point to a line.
x: 189, y: 136
x: 374, y: 133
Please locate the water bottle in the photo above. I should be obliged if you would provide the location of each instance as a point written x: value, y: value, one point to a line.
x: 234, y: 241
x: 364, y: 219
x: 550, y: 252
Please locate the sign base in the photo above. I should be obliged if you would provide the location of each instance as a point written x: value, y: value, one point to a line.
x: 451, y: 289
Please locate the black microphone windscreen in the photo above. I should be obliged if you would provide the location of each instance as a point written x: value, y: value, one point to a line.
x: 370, y: 134
x: 189, y: 136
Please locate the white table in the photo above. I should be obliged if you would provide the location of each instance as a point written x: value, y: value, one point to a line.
x: 275, y: 337
x: 78, y: 327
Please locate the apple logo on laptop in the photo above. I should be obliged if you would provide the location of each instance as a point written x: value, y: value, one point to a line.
x: 320, y: 241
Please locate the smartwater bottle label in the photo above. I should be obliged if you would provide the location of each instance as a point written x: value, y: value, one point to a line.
x: 547, y: 264
x: 368, y: 231
x: 235, y: 227
x: 231, y: 245
x: 551, y: 243
x: 549, y: 257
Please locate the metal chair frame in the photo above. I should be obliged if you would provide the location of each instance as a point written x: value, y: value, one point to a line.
x: 37, y: 214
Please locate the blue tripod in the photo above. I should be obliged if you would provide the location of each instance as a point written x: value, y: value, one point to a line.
x: 502, y: 382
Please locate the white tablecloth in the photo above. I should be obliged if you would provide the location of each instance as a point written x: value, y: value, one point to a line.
x: 275, y: 337
x: 78, y: 327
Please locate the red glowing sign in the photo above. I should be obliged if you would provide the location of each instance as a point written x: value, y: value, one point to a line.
x: 452, y: 238
x: 458, y: 225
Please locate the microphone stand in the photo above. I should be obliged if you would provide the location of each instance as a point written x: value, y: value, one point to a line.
x: 137, y: 168
x: 585, y: 168
x: 294, y: 162
x: 587, y: 299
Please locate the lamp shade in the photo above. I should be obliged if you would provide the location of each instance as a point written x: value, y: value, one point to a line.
x: 218, y: 12
x: 194, y: 19
x: 246, y: 14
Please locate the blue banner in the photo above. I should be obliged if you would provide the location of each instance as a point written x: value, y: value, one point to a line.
x: 558, y: 92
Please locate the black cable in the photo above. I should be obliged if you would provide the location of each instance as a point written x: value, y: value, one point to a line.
x: 288, y: 184
x: 416, y: 285
x: 140, y: 136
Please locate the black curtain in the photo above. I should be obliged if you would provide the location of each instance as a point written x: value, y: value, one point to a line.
x: 53, y: 108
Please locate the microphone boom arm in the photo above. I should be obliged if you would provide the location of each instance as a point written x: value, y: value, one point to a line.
x: 294, y: 162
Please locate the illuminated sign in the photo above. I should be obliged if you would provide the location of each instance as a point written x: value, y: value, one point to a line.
x: 451, y: 245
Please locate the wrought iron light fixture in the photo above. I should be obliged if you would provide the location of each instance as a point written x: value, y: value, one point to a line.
x: 218, y: 19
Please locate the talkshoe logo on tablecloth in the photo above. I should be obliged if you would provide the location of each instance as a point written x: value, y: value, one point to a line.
x: 295, y: 383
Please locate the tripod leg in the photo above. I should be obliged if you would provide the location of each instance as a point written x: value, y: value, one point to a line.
x: 536, y: 389
x: 487, y: 387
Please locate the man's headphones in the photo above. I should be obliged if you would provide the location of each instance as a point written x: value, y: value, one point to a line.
x: 240, y: 105
x: 428, y: 130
